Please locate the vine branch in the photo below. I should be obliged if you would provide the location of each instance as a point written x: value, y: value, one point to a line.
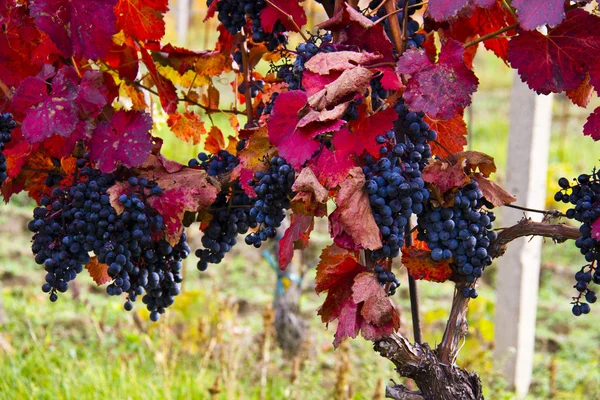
x: 390, y: 8
x: 247, y: 82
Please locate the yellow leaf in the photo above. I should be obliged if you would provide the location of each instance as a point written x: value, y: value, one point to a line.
x: 187, y: 126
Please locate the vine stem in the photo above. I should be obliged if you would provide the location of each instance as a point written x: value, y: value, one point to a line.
x: 390, y: 7
x: 413, y: 291
x: 490, y: 35
x: 290, y: 18
x: 247, y: 81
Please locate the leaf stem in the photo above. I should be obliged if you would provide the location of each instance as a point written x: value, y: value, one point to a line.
x: 509, y: 8
x: 491, y: 35
x: 290, y: 18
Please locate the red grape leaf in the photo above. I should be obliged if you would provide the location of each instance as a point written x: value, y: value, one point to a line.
x: 80, y: 27
x: 390, y: 79
x: 377, y: 308
x: 98, y: 271
x: 442, y: 10
x: 166, y: 89
x: 270, y: 15
x: 452, y: 134
x: 348, y: 321
x: 142, y: 19
x: 312, y: 83
x: 311, y: 197
x: 581, y: 95
x: 596, y: 230
x: 92, y: 95
x: 358, y: 31
x: 326, y: 119
x: 481, y: 22
x: 188, y: 126
x: 296, y: 146
x: 296, y: 235
x: 48, y: 114
x: 424, y: 92
x: 350, y: 82
x: 493, y: 192
x: 532, y: 14
x: 332, y: 166
x: 353, y: 215
x: 592, y: 126
x: 561, y: 59
x: 124, y: 59
x: 446, y: 176
x: 124, y: 139
x: 335, y: 273
x: 325, y: 63
x: 369, y: 127
x: 23, y: 49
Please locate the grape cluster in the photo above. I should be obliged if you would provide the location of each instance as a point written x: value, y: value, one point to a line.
x: 378, y: 93
x: 233, y: 14
x: 584, y: 195
x: 460, y: 233
x: 394, y: 183
x: 293, y: 73
x: 7, y: 124
x: 387, y: 277
x: 273, y: 194
x: 220, y: 163
x: 73, y: 222
x: 230, y: 217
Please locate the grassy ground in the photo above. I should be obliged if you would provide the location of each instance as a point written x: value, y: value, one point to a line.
x: 215, y: 344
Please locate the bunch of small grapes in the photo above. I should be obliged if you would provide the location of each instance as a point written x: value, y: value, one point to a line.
x: 233, y: 14
x: 293, y: 73
x: 461, y: 233
x: 584, y: 194
x: 394, y: 183
x: 387, y: 277
x: 7, y: 124
x: 273, y: 189
x: 75, y: 221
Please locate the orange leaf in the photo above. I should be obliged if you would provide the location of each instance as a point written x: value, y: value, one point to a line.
x: 420, y: 265
x: 98, y: 271
x: 187, y: 126
x: 214, y: 141
x: 476, y: 160
x: 452, y: 134
x: 582, y: 94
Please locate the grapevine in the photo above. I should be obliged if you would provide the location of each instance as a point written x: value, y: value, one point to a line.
x: 361, y: 123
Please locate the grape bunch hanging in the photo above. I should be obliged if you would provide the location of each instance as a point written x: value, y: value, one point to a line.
x: 7, y: 124
x: 584, y: 194
x: 75, y: 221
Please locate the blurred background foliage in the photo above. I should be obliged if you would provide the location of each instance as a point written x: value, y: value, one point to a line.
x: 217, y: 341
